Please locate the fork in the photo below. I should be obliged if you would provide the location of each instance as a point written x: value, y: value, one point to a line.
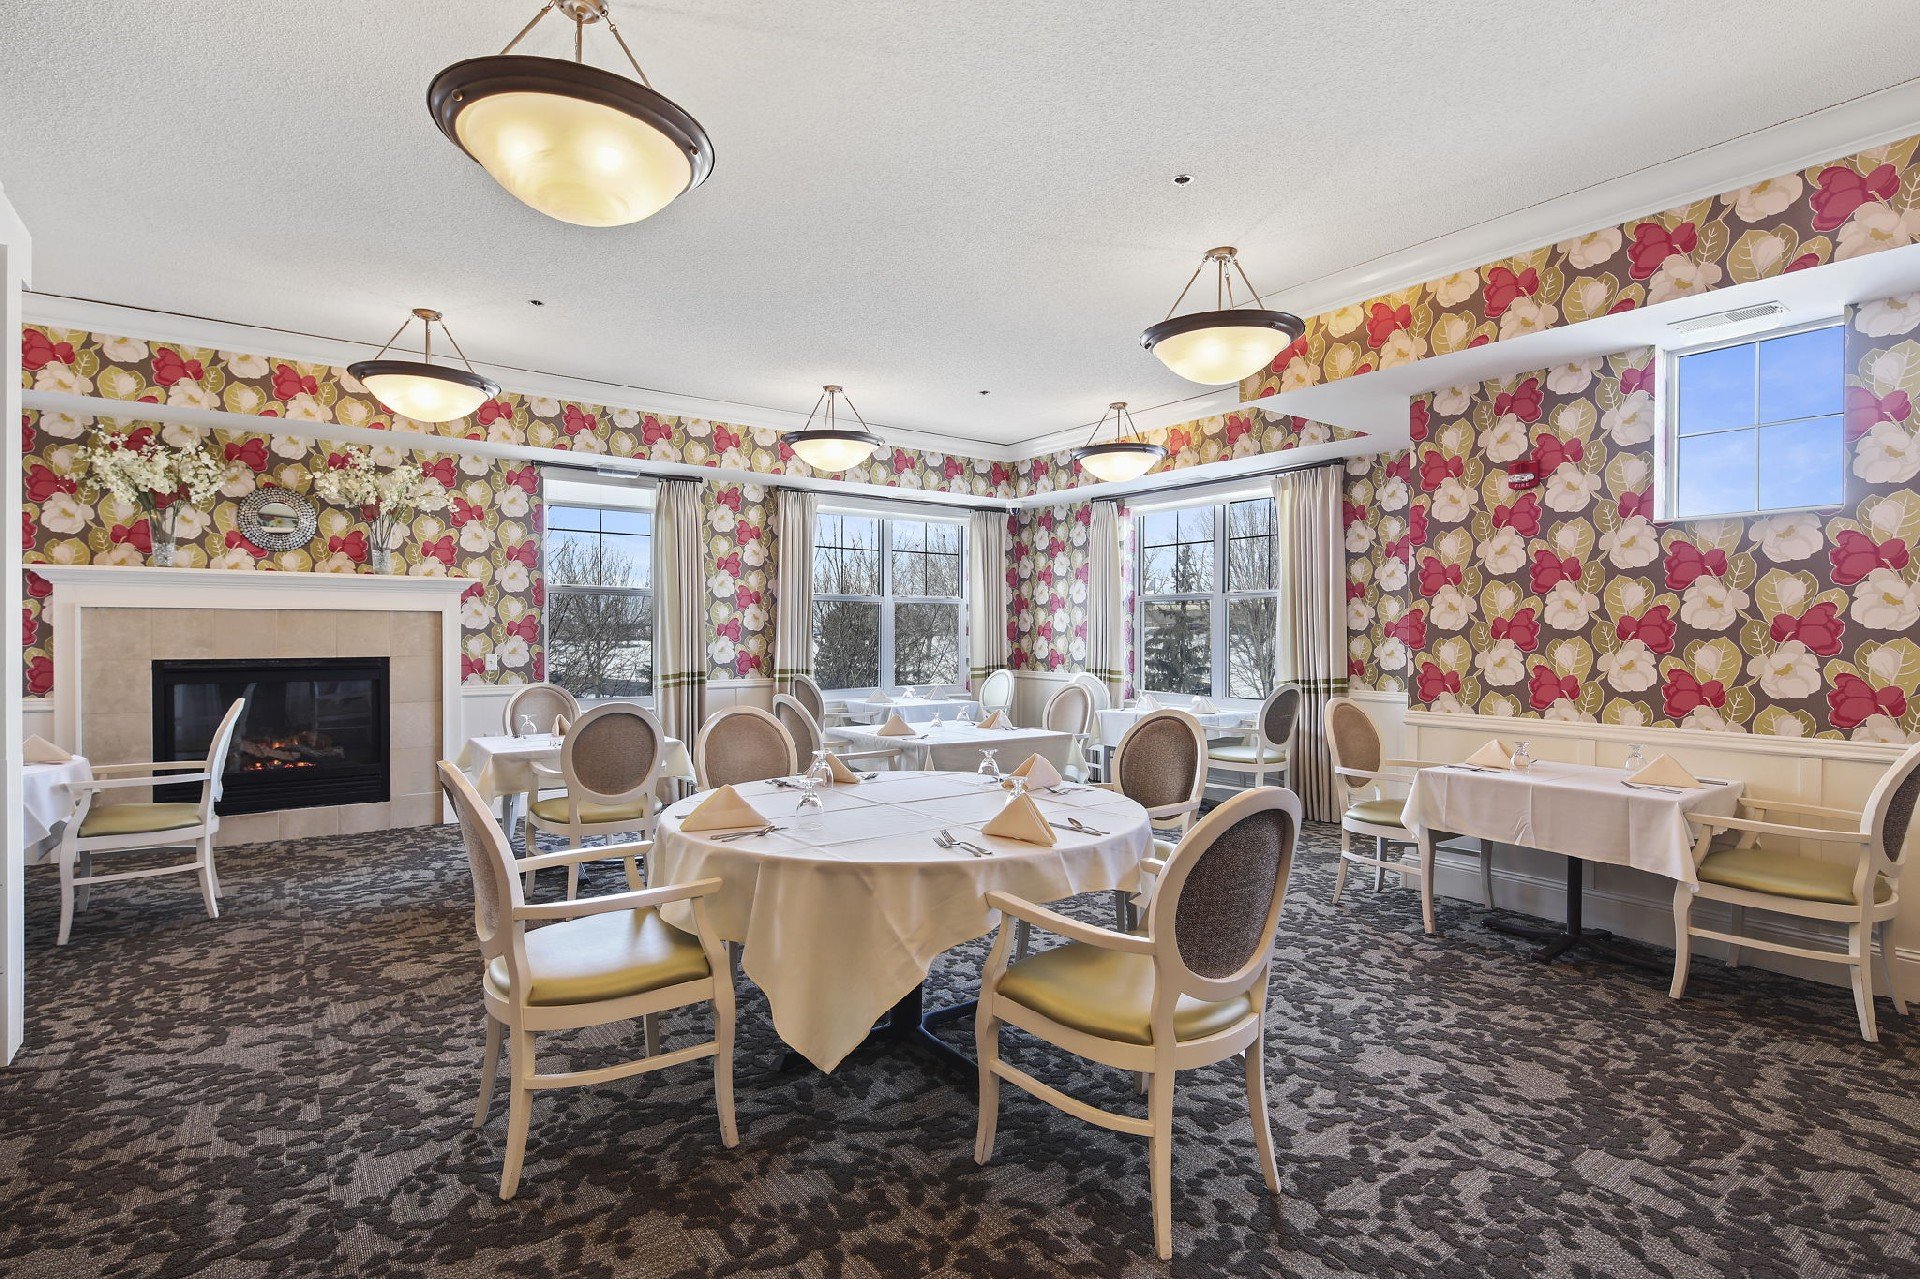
x: 730, y: 836
x: 945, y: 840
x: 975, y: 849
x: 1671, y: 790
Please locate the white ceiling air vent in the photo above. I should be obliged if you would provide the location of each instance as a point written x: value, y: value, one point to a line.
x: 1720, y: 319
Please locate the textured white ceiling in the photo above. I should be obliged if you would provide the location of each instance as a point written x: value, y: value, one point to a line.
x: 917, y: 201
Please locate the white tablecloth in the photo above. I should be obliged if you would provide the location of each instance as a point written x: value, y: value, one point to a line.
x: 1573, y: 809
x: 841, y: 915
x: 47, y: 799
x: 918, y: 710
x: 504, y: 765
x: 954, y: 748
x: 1113, y: 724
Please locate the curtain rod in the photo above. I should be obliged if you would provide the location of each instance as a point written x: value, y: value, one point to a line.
x: 1227, y: 479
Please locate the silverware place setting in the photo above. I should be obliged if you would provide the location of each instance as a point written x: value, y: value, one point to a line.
x: 732, y: 835
x: 945, y: 839
x: 1077, y: 826
x: 1632, y: 785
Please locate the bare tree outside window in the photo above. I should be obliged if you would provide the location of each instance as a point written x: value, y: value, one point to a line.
x: 1207, y: 602
x: 600, y: 601
x: 887, y: 601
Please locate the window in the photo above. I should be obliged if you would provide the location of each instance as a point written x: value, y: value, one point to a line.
x: 600, y: 600
x: 1207, y: 582
x: 1755, y: 426
x: 888, y: 601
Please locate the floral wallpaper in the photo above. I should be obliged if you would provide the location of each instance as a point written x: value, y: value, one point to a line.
x: 740, y: 574
x: 1048, y: 587
x: 1829, y: 212
x: 482, y: 521
x: 1569, y: 602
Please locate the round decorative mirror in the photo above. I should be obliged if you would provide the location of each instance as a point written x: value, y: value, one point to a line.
x: 277, y: 519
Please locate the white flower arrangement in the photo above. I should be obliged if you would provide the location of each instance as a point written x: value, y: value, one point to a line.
x: 383, y: 495
x: 155, y: 477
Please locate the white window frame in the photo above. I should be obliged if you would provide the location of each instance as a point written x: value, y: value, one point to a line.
x: 886, y: 599
x: 1218, y: 598
x: 587, y: 493
x: 1666, y: 395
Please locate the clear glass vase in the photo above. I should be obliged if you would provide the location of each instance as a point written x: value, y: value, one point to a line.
x: 161, y: 556
x: 380, y: 558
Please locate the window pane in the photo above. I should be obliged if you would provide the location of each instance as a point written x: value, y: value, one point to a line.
x: 943, y: 575
x: 1193, y: 567
x: 1250, y: 647
x: 585, y: 559
x: 600, y: 643
x: 846, y: 644
x: 1250, y: 546
x: 1716, y: 389
x: 1156, y: 570
x: 578, y: 518
x: 926, y: 644
x: 1800, y: 464
x: 1715, y: 475
x: 944, y: 538
x: 1802, y: 375
x: 909, y: 535
x: 1178, y: 652
x: 909, y: 572
x: 1159, y: 529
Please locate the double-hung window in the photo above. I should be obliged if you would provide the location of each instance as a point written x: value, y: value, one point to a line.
x: 1755, y: 425
x: 599, y: 584
x: 888, y: 601
x: 1207, y: 599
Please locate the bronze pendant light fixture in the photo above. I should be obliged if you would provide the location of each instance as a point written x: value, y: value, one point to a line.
x: 832, y: 448
x: 577, y: 143
x: 1228, y: 343
x: 421, y: 389
x: 1125, y: 457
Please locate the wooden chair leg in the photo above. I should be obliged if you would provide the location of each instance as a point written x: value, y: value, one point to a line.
x: 489, y: 1067
x: 1738, y: 928
x: 650, y: 1033
x: 208, y: 893
x: 723, y: 1020
x: 1889, y: 973
x: 1682, y: 939
x: 519, y: 1107
x: 1860, y: 969
x: 66, y: 898
x: 986, y: 1047
x: 1340, y: 873
x: 1257, y: 1110
x: 1379, y: 864
x: 1160, y: 1159
x: 82, y: 890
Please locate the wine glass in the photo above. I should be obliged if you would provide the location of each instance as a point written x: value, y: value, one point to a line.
x: 965, y: 716
x: 527, y: 727
x: 810, y: 805
x: 1522, y: 757
x: 819, y: 770
x: 989, y: 769
x: 1636, y: 758
x: 909, y: 692
x: 935, y: 721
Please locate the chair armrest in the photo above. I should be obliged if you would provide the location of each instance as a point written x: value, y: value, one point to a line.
x: 642, y: 899
x: 1173, y: 810
x: 1153, y: 866
x: 127, y: 783
x: 1859, y: 839
x: 546, y: 770
x: 890, y: 753
x: 1072, y: 929
x: 1415, y: 764
x: 150, y: 766
x: 597, y: 853
x: 1804, y: 810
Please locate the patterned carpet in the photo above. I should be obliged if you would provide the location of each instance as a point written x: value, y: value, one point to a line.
x: 287, y: 1092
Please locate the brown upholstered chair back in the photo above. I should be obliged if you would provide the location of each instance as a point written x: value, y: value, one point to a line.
x: 1162, y: 760
x: 1353, y: 740
x: 496, y: 889
x: 542, y: 704
x: 742, y: 744
x: 801, y: 726
x: 808, y: 694
x: 1889, y: 812
x: 1219, y: 901
x: 1069, y: 711
x: 613, y: 752
x: 1277, y: 716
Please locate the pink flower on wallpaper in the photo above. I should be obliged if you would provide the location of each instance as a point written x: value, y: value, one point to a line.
x: 725, y: 439
x: 1636, y: 502
x: 1841, y: 191
x: 1653, y: 244
x: 1865, y: 410
x: 526, y: 554
x: 1549, y: 451
x: 464, y: 512
x: 289, y: 382
x: 1410, y: 628
x: 1655, y: 628
x: 1851, y: 701
x: 1436, y: 468
x: 745, y: 663
x: 238, y: 541
x: 1383, y: 321
x: 1434, y: 574
x: 29, y: 627
x: 1855, y: 555
x: 1550, y: 569
x: 441, y: 470
x: 1418, y: 415
x: 1640, y: 379
x: 1523, y: 628
x: 1504, y: 288
x: 1417, y: 524
x: 353, y: 545
x: 1687, y: 562
x: 43, y: 482
x: 39, y: 676
x: 169, y: 367
x: 1820, y: 628
x: 1522, y: 515
x: 1684, y: 693
x: 526, y: 628
x: 574, y: 422
x: 653, y: 431
x: 38, y: 587
x: 1352, y: 513
x: 471, y: 667
x: 1545, y: 687
x: 137, y: 535
x: 746, y: 598
x: 250, y: 453
x: 524, y: 478
x: 1523, y: 401
x: 493, y: 411
x: 37, y: 350
x: 1431, y: 682
x: 439, y: 548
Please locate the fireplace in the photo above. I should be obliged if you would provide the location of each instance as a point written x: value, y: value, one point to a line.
x: 314, y: 732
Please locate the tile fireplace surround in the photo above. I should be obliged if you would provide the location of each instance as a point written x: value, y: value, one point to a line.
x: 112, y: 622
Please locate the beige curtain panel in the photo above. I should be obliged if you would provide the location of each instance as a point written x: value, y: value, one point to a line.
x: 679, y: 604
x: 1106, y: 601
x: 1311, y: 648
x: 793, y: 586
x: 987, y: 604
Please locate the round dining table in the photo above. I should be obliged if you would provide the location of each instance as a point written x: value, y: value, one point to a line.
x: 840, y: 914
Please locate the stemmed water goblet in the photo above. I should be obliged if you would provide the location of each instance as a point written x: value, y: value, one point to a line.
x: 989, y: 769
x: 1522, y: 757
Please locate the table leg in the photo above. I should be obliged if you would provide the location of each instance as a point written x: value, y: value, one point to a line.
x: 1563, y: 939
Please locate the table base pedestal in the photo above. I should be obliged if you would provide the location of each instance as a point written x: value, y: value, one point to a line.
x: 1561, y: 940
x: 909, y: 1023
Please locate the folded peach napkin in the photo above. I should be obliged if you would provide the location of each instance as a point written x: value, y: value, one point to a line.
x: 1492, y: 755
x: 1202, y: 706
x: 38, y: 750
x: 1665, y: 770
x: 1021, y: 820
x: 894, y: 727
x: 1147, y: 702
x: 842, y: 775
x: 561, y: 725
x: 722, y: 810
x: 997, y: 720
x: 1040, y: 774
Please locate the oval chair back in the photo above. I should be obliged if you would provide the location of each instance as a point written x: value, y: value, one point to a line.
x: 496, y: 888
x: 996, y: 692
x: 1353, y: 742
x: 742, y: 744
x: 1161, y: 764
x: 612, y: 754
x: 804, y: 691
x: 1889, y: 815
x: 1069, y: 711
x: 1096, y: 689
x: 217, y: 750
x: 543, y: 705
x: 1278, y: 714
x: 801, y: 726
x: 1213, y: 918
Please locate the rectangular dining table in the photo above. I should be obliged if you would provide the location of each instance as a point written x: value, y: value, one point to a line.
x: 1584, y: 813
x: 955, y: 748
x: 914, y: 710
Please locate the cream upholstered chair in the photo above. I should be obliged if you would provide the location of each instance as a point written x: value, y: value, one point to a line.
x: 1188, y: 991
x: 609, y: 766
x: 827, y: 715
x: 742, y: 744
x: 1361, y: 771
x: 1858, y: 886
x: 808, y: 738
x: 1071, y: 711
x: 607, y: 959
x: 1266, y: 744
x: 996, y: 693
x: 134, y: 827
x: 537, y: 708
x: 1161, y: 765
x: 1096, y: 689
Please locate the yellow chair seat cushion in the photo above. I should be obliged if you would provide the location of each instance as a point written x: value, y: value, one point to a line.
x: 1246, y: 753
x: 138, y: 819
x: 1110, y: 994
x: 610, y: 956
x: 1785, y: 874
x: 554, y: 809
x: 1379, y: 812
